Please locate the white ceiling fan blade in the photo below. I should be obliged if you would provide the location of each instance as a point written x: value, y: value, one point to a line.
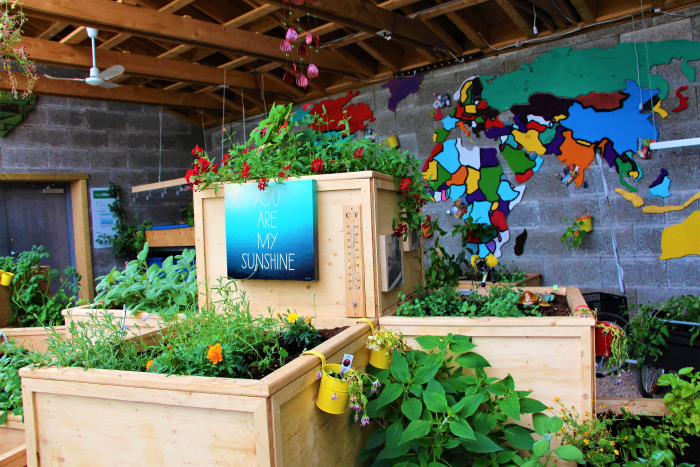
x: 108, y: 85
x: 64, y: 79
x: 111, y: 72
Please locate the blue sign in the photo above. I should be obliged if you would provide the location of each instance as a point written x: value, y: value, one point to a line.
x: 272, y: 234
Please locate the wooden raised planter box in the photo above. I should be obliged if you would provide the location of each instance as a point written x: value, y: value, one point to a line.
x: 171, y: 237
x: 375, y: 196
x: 12, y: 452
x: 550, y: 356
x: 531, y: 280
x: 32, y: 338
x: 136, y: 324
x: 76, y: 417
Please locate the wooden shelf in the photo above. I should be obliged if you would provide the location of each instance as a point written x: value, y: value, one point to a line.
x: 171, y: 237
x: 158, y: 185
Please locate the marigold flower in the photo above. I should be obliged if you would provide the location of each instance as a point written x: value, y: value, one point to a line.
x: 308, y: 320
x: 214, y: 355
x: 576, y: 234
x: 149, y: 365
x: 617, y: 453
x: 601, y: 450
x: 491, y: 260
x: 602, y: 406
x: 556, y: 399
x: 585, y: 441
x: 292, y: 317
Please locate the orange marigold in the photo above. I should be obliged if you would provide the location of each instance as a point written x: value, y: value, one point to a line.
x: 149, y: 365
x: 214, y: 355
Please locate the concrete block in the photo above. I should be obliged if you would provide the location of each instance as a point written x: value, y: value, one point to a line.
x: 68, y: 159
x: 443, y: 84
x: 17, y: 138
x: 544, y: 185
x: 541, y: 242
x: 101, y: 120
x: 599, y: 243
x: 624, y: 213
x: 85, y: 104
x: 664, y: 32
x: 107, y: 159
x: 683, y: 272
x: 573, y: 272
x: 124, y: 140
x: 553, y: 212
x: 677, y: 198
x: 51, y: 101
x: 408, y: 142
x: 172, y: 124
x: 100, y: 178
x: 525, y: 215
x: 407, y: 119
x: 657, y: 295
x: 37, y: 117
x: 647, y: 240
x: 88, y: 139
x: 644, y: 272
x: 143, y: 159
x: 21, y: 158
x: 38, y: 137
x: 124, y: 107
x: 66, y: 117
x: 150, y: 109
x: 129, y: 177
x: 181, y: 160
x: 365, y: 96
x: 147, y: 122
x: 607, y: 42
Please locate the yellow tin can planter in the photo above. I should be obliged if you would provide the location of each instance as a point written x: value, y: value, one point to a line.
x: 585, y: 223
x: 392, y: 141
x: 378, y: 358
x: 333, y: 394
x: 6, y: 278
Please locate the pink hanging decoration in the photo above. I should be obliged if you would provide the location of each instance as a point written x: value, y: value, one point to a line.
x: 285, y: 46
x: 312, y: 71
x: 303, y: 51
x: 302, y: 81
x: 298, y: 2
x: 318, y: 40
x: 309, y: 38
x: 288, y: 78
x: 291, y: 35
x: 295, y: 68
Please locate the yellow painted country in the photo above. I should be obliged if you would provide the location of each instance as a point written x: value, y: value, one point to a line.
x: 494, y: 206
x: 634, y: 174
x: 636, y: 200
x: 470, y: 109
x: 681, y: 239
x: 559, y: 117
x: 659, y: 110
x: 473, y: 178
x: 663, y: 209
x: 465, y: 88
x: 431, y: 173
x: 582, y: 142
x: 530, y: 141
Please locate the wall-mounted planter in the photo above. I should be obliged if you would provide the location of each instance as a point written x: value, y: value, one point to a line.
x: 141, y: 419
x: 374, y: 197
x: 550, y: 356
x: 585, y: 222
x: 12, y: 450
x: 6, y: 278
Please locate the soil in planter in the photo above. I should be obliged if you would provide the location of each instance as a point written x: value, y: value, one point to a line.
x: 295, y: 351
x: 691, y: 454
x: 560, y: 307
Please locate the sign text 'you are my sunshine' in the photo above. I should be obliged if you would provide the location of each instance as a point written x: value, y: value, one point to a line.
x: 272, y: 234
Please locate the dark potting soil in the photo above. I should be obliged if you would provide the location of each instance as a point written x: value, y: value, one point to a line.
x: 295, y: 351
x: 691, y: 453
x: 560, y: 307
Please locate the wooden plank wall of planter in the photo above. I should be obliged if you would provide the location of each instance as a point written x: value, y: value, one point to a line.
x: 32, y: 338
x: 550, y: 356
x: 636, y: 405
x: 138, y: 323
x: 531, y: 280
x: 143, y: 419
x: 376, y: 195
x: 12, y: 442
x: 183, y: 236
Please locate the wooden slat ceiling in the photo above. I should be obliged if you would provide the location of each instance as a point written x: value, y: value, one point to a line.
x: 178, y: 53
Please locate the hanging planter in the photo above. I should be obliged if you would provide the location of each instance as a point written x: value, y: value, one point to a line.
x: 6, y: 279
x: 585, y: 222
x: 392, y: 141
x: 333, y: 394
x: 382, y: 344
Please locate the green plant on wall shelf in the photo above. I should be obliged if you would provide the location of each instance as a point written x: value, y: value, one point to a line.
x: 574, y: 235
x: 127, y: 239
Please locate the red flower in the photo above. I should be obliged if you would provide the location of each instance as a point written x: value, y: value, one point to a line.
x: 426, y: 223
x: 245, y: 170
x: 307, y: 106
x: 281, y: 175
x: 197, y: 150
x: 317, y: 165
x: 287, y: 167
x: 405, y: 185
x: 245, y: 151
x: 358, y: 152
x: 400, y: 230
x: 226, y: 159
x: 262, y: 184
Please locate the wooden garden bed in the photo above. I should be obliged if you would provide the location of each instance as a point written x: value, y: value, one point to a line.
x: 550, y: 356
x: 12, y: 449
x: 32, y: 338
x: 636, y: 405
x: 374, y: 196
x: 136, y: 324
x: 74, y: 416
x: 531, y: 280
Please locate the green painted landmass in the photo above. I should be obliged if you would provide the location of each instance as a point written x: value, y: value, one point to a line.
x: 565, y: 72
x: 441, y: 135
x: 489, y: 182
x: 517, y: 160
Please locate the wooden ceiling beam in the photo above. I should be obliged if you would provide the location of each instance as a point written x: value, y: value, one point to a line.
x: 553, y: 12
x: 251, y: 16
x: 76, y: 56
x: 568, y: 11
x: 459, y: 20
x: 514, y: 16
x: 366, y: 71
x: 444, y: 9
x: 389, y: 60
x: 526, y: 13
x: 584, y: 11
x: 108, y: 15
x: 77, y: 36
x: 128, y: 94
x: 52, y: 30
x: 364, y: 16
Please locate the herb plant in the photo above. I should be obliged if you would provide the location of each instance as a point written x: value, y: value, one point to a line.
x: 387, y: 340
x: 574, y: 235
x: 12, y: 358
x: 683, y: 401
x: 282, y: 148
x: 299, y: 332
x: 127, y: 239
x: 438, y: 410
x: 166, y: 290
x: 31, y: 304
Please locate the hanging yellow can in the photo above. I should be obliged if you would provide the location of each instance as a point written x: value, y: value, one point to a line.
x: 585, y: 223
x: 6, y: 278
x: 333, y: 394
x: 378, y: 358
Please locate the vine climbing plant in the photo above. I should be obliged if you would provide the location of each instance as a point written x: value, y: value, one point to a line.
x: 12, y: 19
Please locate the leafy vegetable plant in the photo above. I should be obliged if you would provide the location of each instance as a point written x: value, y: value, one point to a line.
x: 12, y: 358
x: 684, y: 400
x: 442, y: 409
x: 165, y: 291
x: 647, y: 445
x: 574, y: 235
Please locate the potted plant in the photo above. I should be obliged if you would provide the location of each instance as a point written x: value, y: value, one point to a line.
x: 382, y: 344
x: 574, y: 235
x: 381, y: 187
x: 221, y: 386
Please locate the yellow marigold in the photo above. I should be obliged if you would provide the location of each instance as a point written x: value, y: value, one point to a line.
x: 627, y: 409
x: 585, y: 434
x: 308, y: 320
x: 549, y: 409
x: 149, y: 365
x: 214, y: 355
x: 474, y: 259
x: 617, y: 453
x: 585, y: 441
x: 292, y: 317
x: 601, y: 449
x: 556, y: 399
x: 625, y: 438
x: 491, y: 260
x: 587, y: 413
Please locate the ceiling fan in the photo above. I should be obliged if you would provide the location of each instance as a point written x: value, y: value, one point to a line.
x: 96, y: 78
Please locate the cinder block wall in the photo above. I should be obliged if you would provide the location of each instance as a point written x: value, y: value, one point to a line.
x: 110, y: 142
x: 547, y: 201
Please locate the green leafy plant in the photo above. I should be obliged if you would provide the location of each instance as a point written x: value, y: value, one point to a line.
x: 127, y: 239
x: 187, y: 214
x: 283, y: 147
x: 31, y: 304
x: 163, y: 290
x: 444, y: 269
x: 12, y: 358
x: 437, y: 410
x: 618, y: 357
x: 12, y: 19
x: 574, y: 235
x: 683, y: 401
x: 443, y: 301
x: 299, y: 332
x: 647, y: 445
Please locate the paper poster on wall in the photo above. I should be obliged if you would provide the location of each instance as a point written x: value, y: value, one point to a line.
x: 272, y: 234
x: 102, y: 218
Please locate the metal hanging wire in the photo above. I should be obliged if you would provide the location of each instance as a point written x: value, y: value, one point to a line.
x: 160, y: 143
